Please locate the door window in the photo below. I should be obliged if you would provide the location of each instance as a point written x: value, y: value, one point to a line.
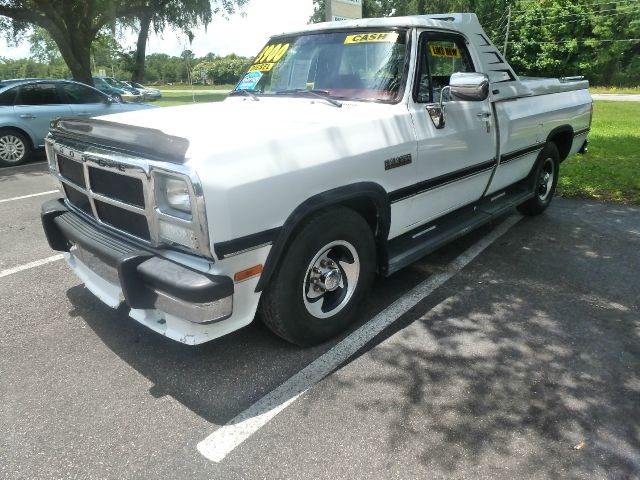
x: 7, y: 97
x: 78, y: 94
x: 38, y: 94
x: 439, y: 58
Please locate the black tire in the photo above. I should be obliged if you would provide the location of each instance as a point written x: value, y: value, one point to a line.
x: 286, y: 307
x: 117, y: 97
x: 544, y: 181
x: 15, y: 148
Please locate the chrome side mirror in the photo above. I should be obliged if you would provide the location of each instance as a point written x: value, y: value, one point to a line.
x: 471, y: 86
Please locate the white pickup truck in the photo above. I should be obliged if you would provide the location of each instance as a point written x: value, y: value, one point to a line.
x: 348, y: 149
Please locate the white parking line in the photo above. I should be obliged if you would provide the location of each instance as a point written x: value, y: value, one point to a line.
x: 27, y: 266
x: 28, y: 196
x: 224, y: 440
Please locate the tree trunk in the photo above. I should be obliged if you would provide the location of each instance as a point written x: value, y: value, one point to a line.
x: 76, y: 52
x: 141, y: 49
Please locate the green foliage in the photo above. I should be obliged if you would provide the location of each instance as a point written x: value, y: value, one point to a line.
x: 28, y: 68
x: 547, y: 37
x: 222, y: 70
x: 563, y: 37
x: 611, y: 168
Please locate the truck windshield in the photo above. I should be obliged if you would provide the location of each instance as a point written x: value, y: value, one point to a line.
x: 353, y: 65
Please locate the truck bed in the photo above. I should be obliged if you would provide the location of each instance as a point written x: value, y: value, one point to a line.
x: 544, y: 86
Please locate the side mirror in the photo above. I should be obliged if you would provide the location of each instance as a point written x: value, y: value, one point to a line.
x: 470, y: 86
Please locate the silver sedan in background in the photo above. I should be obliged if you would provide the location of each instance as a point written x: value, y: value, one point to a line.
x: 149, y: 94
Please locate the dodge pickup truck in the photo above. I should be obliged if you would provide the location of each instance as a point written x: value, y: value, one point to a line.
x: 347, y: 149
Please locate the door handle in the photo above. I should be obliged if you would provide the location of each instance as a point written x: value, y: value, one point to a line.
x: 27, y: 115
x: 483, y: 115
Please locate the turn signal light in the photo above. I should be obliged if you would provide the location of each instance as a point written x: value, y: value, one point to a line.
x: 248, y: 273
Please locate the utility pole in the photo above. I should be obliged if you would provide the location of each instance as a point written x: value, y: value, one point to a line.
x: 506, y: 37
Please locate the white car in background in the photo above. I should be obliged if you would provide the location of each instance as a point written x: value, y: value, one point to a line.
x: 148, y: 94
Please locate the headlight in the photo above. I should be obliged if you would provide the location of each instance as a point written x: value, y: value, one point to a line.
x: 172, y: 194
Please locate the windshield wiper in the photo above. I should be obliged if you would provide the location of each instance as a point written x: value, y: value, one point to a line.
x: 313, y: 92
x: 248, y: 93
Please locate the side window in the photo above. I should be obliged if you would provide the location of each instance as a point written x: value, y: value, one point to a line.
x: 77, y: 94
x: 38, y: 94
x: 7, y: 97
x: 439, y: 58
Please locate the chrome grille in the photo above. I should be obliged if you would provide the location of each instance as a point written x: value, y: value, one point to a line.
x: 112, y: 198
x: 117, y: 190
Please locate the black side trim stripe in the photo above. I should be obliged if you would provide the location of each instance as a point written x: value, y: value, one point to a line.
x: 421, y: 187
x: 248, y: 242
x: 507, y: 157
x: 581, y: 131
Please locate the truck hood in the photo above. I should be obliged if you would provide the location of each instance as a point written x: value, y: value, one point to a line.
x: 236, y: 124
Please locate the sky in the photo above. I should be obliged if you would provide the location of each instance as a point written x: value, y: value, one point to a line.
x: 242, y: 35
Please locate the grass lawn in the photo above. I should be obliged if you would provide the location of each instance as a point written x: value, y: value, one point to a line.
x: 195, y: 87
x: 621, y: 90
x: 173, y: 99
x: 611, y: 168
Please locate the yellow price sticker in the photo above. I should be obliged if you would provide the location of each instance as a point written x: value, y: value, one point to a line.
x: 440, y: 51
x: 390, y: 37
x: 272, y: 53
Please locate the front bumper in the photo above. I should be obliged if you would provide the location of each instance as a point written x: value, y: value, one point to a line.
x: 164, y: 295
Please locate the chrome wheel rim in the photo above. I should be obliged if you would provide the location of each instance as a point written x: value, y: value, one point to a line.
x: 330, y: 279
x: 12, y: 149
x: 545, y: 180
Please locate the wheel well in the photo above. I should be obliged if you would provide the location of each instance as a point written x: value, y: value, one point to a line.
x: 367, y: 199
x: 20, y: 131
x: 563, y: 138
x: 366, y: 209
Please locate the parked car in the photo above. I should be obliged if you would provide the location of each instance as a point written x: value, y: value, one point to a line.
x: 149, y: 94
x: 117, y: 90
x: 347, y: 149
x: 27, y: 107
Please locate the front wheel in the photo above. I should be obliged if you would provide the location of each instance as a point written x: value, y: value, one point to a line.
x: 545, y: 180
x: 324, y: 277
x: 15, y: 149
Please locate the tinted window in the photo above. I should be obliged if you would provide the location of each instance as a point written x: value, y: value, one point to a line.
x: 439, y: 58
x: 81, y: 94
x: 7, y: 97
x: 38, y: 94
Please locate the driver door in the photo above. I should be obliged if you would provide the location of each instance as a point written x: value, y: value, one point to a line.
x: 454, y: 162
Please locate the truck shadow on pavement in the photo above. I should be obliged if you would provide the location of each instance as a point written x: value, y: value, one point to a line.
x: 525, y: 361
x: 218, y: 379
x: 532, y: 349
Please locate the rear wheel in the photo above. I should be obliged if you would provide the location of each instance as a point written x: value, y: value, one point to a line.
x: 545, y: 180
x: 15, y: 148
x: 324, y: 277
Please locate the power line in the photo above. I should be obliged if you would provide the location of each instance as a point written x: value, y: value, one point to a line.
x: 581, y: 5
x: 578, y: 41
x: 596, y: 13
x: 564, y: 22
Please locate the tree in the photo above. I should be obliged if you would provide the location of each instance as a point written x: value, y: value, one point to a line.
x: 181, y: 15
x: 72, y: 24
x: 43, y: 48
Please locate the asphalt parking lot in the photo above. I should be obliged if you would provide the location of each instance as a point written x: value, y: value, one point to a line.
x: 524, y: 363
